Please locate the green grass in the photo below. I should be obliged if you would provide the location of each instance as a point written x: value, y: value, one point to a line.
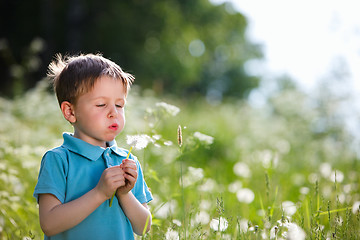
x: 265, y: 173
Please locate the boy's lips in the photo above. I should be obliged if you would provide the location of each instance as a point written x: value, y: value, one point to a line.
x: 114, y: 126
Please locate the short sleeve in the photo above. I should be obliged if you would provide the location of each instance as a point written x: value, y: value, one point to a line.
x: 141, y: 190
x: 52, y: 175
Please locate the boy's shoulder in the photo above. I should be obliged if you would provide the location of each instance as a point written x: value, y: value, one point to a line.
x: 59, y: 152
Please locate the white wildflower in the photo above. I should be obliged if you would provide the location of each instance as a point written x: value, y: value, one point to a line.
x: 166, y: 209
x: 325, y: 169
x: 204, y: 138
x: 171, y: 234
x: 168, y: 143
x: 177, y: 222
x: 245, y: 195
x: 219, y: 224
x: 356, y: 207
x: 138, y: 141
x: 205, y: 204
x: 273, y: 232
x: 201, y: 217
x: 235, y: 186
x: 171, y: 109
x: 289, y: 208
x: 242, y: 170
x: 208, y: 186
x: 192, y: 176
x: 244, y: 225
x: 295, y: 232
x: 304, y: 190
x: 337, y: 176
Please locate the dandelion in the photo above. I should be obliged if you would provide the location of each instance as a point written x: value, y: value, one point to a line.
x: 325, y: 170
x: 242, y: 170
x: 356, y: 207
x: 194, y: 175
x: 245, y: 195
x: 295, y: 232
x: 138, y: 141
x: 166, y: 209
x: 171, y: 234
x: 201, y: 217
x: 337, y: 176
x: 168, y: 108
x: 179, y: 136
x: 208, y: 186
x: 206, y: 139
x: 289, y: 208
x: 235, y: 186
x: 273, y: 232
x: 244, y: 225
x: 219, y: 224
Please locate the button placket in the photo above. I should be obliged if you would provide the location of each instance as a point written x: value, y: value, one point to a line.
x: 107, y: 157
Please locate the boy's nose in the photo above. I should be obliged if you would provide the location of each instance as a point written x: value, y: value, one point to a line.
x: 113, y: 112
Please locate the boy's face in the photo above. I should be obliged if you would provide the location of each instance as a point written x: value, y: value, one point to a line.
x: 99, y: 114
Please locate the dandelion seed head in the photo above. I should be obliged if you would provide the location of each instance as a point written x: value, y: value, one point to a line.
x: 192, y: 176
x: 295, y: 232
x: 166, y: 209
x: 356, y: 207
x: 177, y: 222
x: 168, y: 143
x: 336, y: 176
x: 235, y: 186
x: 219, y: 224
x: 245, y: 195
x: 168, y: 108
x: 242, y: 170
x: 244, y: 225
x: 205, y: 204
x: 325, y: 169
x: 138, y: 141
x: 304, y: 190
x: 289, y: 208
x: 273, y: 232
x: 171, y: 234
x: 206, y: 139
x: 201, y: 217
x: 208, y: 186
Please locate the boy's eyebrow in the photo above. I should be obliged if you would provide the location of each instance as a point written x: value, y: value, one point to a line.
x: 105, y: 97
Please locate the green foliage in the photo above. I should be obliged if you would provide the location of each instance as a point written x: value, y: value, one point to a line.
x: 242, y: 172
x: 182, y: 47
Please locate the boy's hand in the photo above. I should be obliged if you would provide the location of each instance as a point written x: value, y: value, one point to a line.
x: 111, y: 179
x: 130, y: 175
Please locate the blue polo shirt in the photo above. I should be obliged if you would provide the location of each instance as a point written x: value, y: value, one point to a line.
x: 73, y: 169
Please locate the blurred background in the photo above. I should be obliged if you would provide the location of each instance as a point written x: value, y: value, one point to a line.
x: 266, y: 93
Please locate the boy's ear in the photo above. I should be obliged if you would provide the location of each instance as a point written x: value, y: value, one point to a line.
x: 67, y: 110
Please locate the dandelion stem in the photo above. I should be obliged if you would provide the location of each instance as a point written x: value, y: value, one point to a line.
x: 334, y: 211
x: 112, y: 197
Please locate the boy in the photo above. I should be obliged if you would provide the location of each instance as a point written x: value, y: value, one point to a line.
x: 77, y: 179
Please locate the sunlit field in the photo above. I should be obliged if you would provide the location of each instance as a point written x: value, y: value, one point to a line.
x: 285, y: 170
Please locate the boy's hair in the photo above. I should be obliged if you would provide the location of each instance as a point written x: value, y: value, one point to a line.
x: 76, y: 75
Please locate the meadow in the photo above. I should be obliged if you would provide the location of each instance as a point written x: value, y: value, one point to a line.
x: 286, y: 170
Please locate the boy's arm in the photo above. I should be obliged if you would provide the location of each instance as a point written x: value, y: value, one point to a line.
x: 137, y: 213
x: 56, y: 217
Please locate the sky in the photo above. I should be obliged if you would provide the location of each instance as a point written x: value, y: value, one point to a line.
x: 307, y: 40
x: 304, y: 39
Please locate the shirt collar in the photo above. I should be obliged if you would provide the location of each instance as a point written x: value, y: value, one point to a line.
x: 88, y: 150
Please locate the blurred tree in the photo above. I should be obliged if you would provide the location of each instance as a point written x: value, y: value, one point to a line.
x: 185, y: 47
